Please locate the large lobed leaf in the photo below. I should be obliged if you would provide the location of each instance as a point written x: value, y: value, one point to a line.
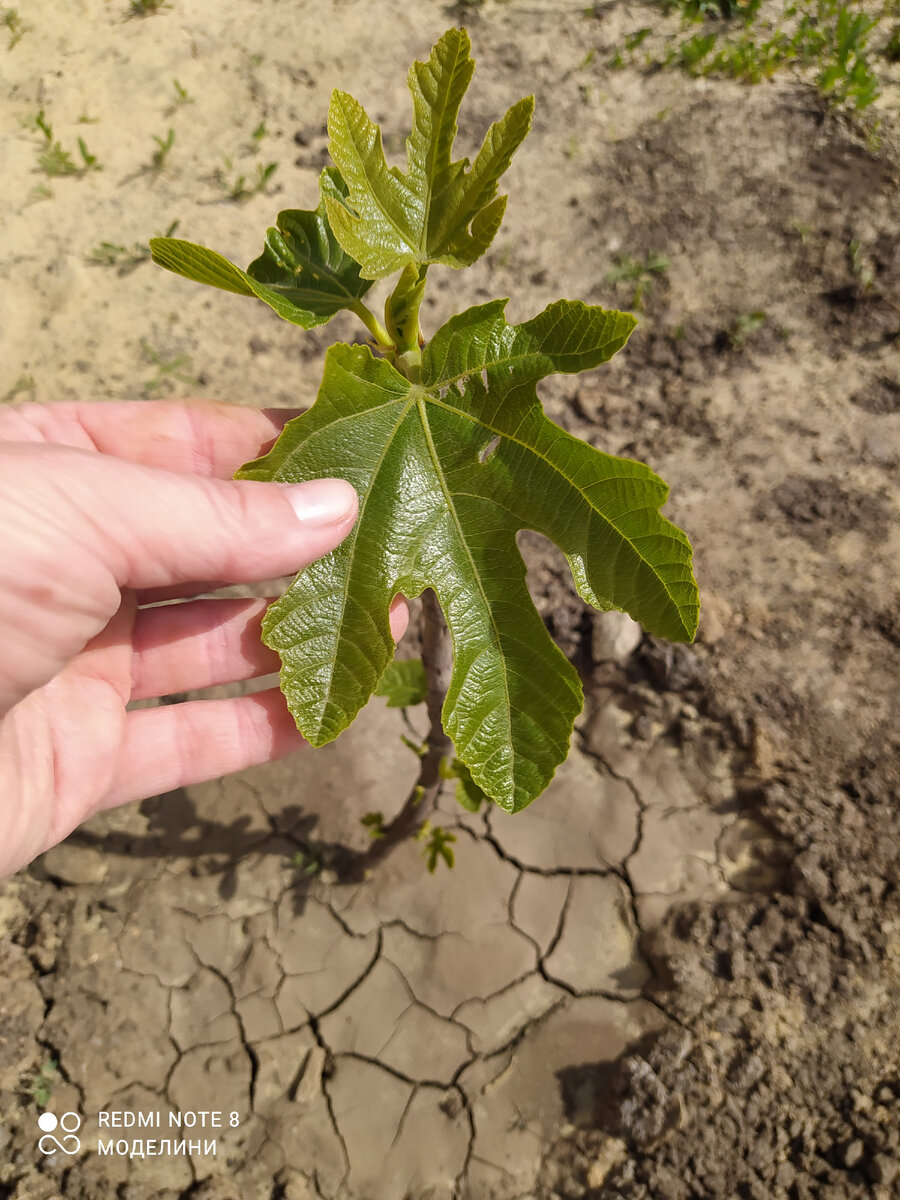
x: 440, y: 507
x: 303, y: 274
x: 439, y: 211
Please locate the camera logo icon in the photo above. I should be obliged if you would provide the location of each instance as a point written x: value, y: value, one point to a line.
x: 69, y: 1123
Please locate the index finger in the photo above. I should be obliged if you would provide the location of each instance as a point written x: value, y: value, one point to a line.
x: 197, y: 436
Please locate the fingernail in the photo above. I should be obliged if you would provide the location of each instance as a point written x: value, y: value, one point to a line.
x: 321, y: 501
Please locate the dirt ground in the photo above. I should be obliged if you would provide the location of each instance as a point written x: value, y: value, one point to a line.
x: 677, y: 974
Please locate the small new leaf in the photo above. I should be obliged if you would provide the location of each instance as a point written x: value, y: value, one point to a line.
x: 403, y: 683
x: 303, y: 274
x: 437, y: 845
x: 468, y: 794
x: 433, y: 515
x: 439, y: 211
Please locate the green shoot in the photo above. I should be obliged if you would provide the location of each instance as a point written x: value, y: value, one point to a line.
x: 89, y: 160
x: 16, y: 27
x: 437, y: 845
x: 640, y: 272
x: 861, y: 265
x: 307, y: 861
x: 40, y: 1084
x: 161, y: 153
x: 54, y: 160
x: 124, y: 258
x: 146, y: 8
x: 25, y: 383
x: 40, y: 191
x: 41, y: 123
x: 168, y: 370
x: 239, y: 188
x: 745, y: 325
x: 374, y: 822
x: 420, y: 749
x: 745, y: 40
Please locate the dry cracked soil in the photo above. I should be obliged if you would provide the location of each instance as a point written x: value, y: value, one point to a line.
x: 676, y: 974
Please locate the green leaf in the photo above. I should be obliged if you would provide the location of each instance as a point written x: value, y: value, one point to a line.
x: 439, y: 211
x: 447, y: 472
x: 403, y: 683
x: 468, y: 794
x: 303, y: 274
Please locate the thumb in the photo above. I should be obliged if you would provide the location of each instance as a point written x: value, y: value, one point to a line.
x: 79, y: 526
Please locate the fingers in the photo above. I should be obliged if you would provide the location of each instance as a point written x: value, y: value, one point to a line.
x: 156, y: 528
x: 80, y: 526
x: 181, y: 744
x: 186, y: 647
x: 204, y: 643
x: 202, y: 437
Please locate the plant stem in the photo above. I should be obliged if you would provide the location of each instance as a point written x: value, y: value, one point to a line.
x: 379, y: 333
x: 437, y: 658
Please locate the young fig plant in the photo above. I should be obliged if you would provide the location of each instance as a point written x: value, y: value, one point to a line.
x: 450, y: 452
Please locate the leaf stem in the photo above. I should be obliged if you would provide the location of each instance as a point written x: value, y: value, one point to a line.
x: 380, y: 335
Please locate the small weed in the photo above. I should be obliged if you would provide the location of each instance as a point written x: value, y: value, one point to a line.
x: 109, y: 254
x: 161, y: 153
x: 25, y: 383
x: 260, y: 132
x: 861, y: 265
x: 803, y: 230
x: 146, y: 8
x: 744, y: 327
x: 40, y: 191
x: 40, y: 1084
x: 182, y: 95
x: 40, y: 122
x: 640, y: 272
x: 848, y: 77
x: 16, y: 27
x: 694, y: 50
x: 635, y: 39
x: 749, y: 43
x: 55, y: 160
x: 167, y: 371
x: 89, y: 160
x: 239, y: 188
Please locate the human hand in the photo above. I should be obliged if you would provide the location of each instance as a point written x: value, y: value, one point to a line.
x: 105, y: 508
